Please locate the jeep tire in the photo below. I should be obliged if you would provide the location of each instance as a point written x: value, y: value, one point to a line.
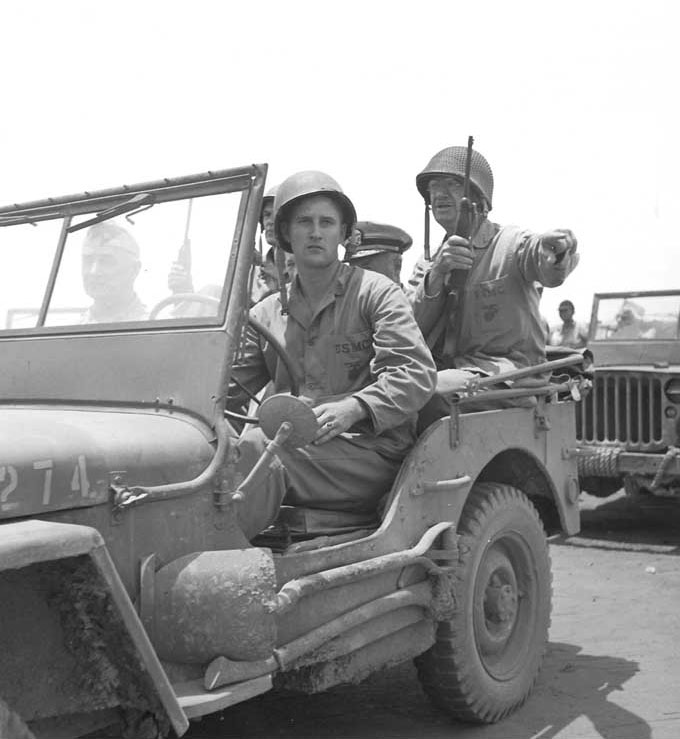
x: 485, y: 660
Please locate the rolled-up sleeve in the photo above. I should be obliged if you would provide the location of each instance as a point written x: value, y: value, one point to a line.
x: 402, y: 364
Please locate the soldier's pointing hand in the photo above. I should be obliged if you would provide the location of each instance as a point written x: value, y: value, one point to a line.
x: 558, y: 244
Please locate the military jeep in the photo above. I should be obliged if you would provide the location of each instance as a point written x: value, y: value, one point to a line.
x: 628, y: 426
x: 128, y: 593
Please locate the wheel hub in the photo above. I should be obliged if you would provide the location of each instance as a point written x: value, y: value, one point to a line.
x: 500, y: 601
x: 498, y: 606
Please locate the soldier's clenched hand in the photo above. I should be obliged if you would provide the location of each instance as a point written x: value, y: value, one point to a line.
x: 455, y: 253
x: 559, y: 247
x: 336, y: 417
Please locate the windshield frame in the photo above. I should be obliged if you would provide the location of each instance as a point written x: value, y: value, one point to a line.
x: 218, y: 182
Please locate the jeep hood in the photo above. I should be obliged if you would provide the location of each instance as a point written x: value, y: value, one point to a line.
x: 55, y: 458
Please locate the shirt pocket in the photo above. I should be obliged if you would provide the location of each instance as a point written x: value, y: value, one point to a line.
x: 493, y: 308
x: 349, y: 361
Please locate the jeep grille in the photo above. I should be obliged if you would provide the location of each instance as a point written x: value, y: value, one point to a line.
x: 622, y: 409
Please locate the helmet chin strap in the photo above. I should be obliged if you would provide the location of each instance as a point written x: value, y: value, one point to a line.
x: 280, y: 259
x: 426, y: 246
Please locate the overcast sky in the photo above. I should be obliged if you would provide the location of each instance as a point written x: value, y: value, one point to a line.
x: 575, y: 105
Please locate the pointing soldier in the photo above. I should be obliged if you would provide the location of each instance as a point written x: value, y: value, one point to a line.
x: 363, y: 364
x: 477, y: 302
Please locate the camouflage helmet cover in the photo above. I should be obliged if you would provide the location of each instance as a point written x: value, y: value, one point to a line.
x: 451, y: 161
x: 301, y: 185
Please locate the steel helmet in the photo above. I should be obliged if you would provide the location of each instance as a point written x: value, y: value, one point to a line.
x: 451, y: 161
x: 304, y: 184
x: 268, y: 197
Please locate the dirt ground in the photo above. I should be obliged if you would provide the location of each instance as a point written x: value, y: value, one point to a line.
x: 612, y: 669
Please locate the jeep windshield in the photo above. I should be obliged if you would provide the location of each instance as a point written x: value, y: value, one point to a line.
x: 636, y: 316
x: 127, y: 258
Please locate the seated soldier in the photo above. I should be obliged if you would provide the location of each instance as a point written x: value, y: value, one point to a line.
x: 630, y: 323
x: 110, y: 265
x: 362, y: 363
x: 378, y: 247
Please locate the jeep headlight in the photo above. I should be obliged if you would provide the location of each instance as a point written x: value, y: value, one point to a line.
x: 672, y: 390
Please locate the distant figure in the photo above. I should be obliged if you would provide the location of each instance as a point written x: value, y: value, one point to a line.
x: 110, y: 265
x: 377, y: 247
x: 570, y: 333
x: 630, y: 323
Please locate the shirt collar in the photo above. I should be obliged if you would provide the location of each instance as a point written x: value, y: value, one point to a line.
x: 297, y: 304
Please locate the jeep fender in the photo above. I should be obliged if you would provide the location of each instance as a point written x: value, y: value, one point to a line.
x: 525, y: 447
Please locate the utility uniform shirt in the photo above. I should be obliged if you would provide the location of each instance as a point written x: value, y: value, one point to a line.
x: 575, y: 335
x: 134, y: 310
x: 363, y: 342
x: 495, y: 324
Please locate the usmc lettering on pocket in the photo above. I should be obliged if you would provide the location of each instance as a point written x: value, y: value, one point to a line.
x: 350, y: 358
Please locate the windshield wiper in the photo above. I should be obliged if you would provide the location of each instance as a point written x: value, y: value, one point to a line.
x: 135, y: 204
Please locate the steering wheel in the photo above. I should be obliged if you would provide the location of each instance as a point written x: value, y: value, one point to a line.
x: 262, y: 330
x: 181, y: 298
x: 285, y: 358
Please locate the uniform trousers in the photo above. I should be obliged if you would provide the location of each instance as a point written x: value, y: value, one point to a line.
x: 339, y: 475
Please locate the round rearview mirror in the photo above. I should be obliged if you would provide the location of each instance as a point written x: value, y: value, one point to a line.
x: 283, y: 407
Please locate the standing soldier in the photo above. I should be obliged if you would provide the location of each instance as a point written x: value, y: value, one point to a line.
x: 569, y: 332
x: 363, y: 365
x: 378, y: 247
x: 477, y: 302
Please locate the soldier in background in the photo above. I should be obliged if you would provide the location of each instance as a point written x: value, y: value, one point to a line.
x: 569, y: 333
x: 268, y: 277
x: 110, y: 264
x: 378, y: 247
x: 276, y: 264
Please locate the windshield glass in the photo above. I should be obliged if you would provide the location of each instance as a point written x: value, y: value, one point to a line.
x: 639, y: 317
x: 166, y: 260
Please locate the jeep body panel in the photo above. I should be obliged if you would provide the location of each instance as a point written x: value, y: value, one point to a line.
x: 65, y: 458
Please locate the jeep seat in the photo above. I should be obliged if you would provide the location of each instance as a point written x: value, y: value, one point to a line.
x: 316, y: 521
x: 297, y: 528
